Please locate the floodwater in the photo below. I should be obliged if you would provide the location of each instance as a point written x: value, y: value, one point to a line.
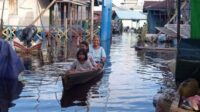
x: 129, y: 82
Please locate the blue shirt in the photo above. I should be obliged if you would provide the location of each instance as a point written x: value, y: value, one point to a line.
x: 97, y: 53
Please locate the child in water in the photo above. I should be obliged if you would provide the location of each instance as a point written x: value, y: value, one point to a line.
x: 82, y: 63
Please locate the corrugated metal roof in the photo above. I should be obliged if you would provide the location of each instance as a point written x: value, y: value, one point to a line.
x: 74, y: 2
x: 130, y: 15
x: 158, y: 5
x: 184, y: 29
x: 171, y: 30
x: 167, y: 31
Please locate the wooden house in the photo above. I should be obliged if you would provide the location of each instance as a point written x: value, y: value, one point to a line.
x: 24, y: 12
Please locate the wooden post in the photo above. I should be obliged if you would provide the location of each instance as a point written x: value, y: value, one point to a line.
x: 81, y: 16
x: 92, y: 20
x: 73, y: 14
x: 65, y: 31
x: 77, y: 14
x: 60, y: 17
x: 65, y: 10
x: 70, y: 10
x: 66, y: 48
x: 74, y: 18
x: 70, y: 25
x: 56, y: 15
x: 69, y: 13
x: 179, y: 19
x: 1, y: 27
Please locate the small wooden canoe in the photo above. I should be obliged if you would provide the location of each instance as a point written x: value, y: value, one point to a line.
x: 154, y: 49
x: 33, y: 50
x: 79, y: 93
x: 72, y: 79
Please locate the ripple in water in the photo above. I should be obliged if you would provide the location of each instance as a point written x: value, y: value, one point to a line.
x: 130, y: 81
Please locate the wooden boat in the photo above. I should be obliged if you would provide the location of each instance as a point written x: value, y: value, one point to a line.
x: 154, y: 49
x: 72, y: 79
x: 79, y: 93
x: 33, y: 50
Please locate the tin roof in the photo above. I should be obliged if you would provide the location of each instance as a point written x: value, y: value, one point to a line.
x: 171, y: 30
x: 80, y: 2
x: 74, y: 2
x: 158, y: 5
x: 130, y: 15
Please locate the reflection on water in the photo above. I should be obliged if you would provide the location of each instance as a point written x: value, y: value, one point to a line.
x: 31, y: 62
x: 154, y: 57
x: 106, y: 45
x: 129, y: 82
x: 9, y: 91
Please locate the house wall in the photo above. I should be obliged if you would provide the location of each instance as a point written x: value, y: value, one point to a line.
x: 133, y: 24
x: 151, y: 21
x: 40, y: 6
x: 84, y: 13
x: 27, y: 11
x: 156, y: 19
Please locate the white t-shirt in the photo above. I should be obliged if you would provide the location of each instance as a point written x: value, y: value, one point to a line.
x: 90, y: 57
x: 87, y: 65
x: 97, y: 53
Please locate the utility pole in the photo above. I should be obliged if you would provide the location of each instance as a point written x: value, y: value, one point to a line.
x: 1, y: 27
x: 106, y: 20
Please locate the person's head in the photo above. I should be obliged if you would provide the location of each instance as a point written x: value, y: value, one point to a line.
x: 81, y: 55
x: 84, y: 45
x: 96, y: 41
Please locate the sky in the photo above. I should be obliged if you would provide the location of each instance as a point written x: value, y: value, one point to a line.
x: 117, y: 2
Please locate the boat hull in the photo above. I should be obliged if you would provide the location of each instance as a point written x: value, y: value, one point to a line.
x: 70, y: 80
x: 79, y: 93
x: 33, y: 50
x: 155, y: 49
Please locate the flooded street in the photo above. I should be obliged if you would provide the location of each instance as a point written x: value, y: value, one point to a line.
x: 129, y: 82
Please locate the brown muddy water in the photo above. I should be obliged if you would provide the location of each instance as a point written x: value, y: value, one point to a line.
x: 130, y: 81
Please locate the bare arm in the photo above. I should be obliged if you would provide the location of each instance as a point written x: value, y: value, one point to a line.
x: 92, y: 60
